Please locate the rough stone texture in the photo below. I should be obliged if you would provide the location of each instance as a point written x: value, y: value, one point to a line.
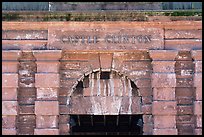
x: 46, y: 121
x: 165, y: 132
x: 40, y: 88
x: 164, y: 108
x: 46, y: 132
x: 161, y: 122
x: 47, y: 80
x: 163, y: 80
x: 9, y: 107
x: 9, y: 94
x: 46, y: 108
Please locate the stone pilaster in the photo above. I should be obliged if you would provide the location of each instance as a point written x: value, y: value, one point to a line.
x: 9, y: 91
x: 163, y: 84
x: 47, y: 84
x: 197, y: 57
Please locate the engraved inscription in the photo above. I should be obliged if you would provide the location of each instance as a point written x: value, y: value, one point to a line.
x: 115, y: 39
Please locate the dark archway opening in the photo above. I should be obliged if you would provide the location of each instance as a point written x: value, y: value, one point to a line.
x: 106, y: 124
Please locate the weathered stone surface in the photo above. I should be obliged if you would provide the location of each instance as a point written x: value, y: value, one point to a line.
x: 163, y: 80
x: 164, y: 93
x: 163, y: 55
x: 8, y: 131
x: 9, y: 67
x: 8, y: 121
x: 163, y: 66
x: 196, y: 54
x: 170, y: 131
x: 9, y: 107
x: 198, y: 107
x: 47, y: 93
x: 187, y: 34
x: 161, y: 122
x: 46, y: 108
x: 46, y: 132
x: 106, y: 61
x: 182, y: 110
x: 103, y: 37
x: 164, y: 108
x: 51, y: 55
x: 46, y: 80
x: 9, y: 80
x: 46, y: 121
x: 104, y: 105
x: 47, y: 67
x: 9, y: 94
x: 24, y: 34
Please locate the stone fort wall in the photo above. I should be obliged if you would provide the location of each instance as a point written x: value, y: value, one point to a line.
x: 43, y: 64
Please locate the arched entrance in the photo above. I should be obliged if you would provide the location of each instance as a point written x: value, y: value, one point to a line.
x: 105, y: 102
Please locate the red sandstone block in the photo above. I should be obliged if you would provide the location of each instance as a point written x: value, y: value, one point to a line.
x: 136, y: 66
x: 199, y: 121
x: 141, y: 83
x: 10, y: 54
x: 198, y: 66
x: 164, y: 93
x: 70, y: 56
x: 26, y: 109
x: 163, y: 66
x: 185, y: 119
x: 148, y: 128
x: 183, y: 110
x: 106, y: 61
x: 198, y: 107
x: 9, y: 94
x: 164, y: 122
x: 46, y: 107
x: 138, y: 74
x: 46, y: 80
x: 9, y: 67
x: 198, y: 131
x: 184, y: 100
x: 72, y: 74
x: 9, y: 80
x: 87, y: 92
x: 145, y: 91
x: 184, y: 44
x: 164, y: 108
x: 147, y: 109
x: 147, y: 119
x: 8, y: 121
x: 185, y: 129
x: 165, y: 131
x: 198, y: 79
x: 64, y: 128
x: 63, y: 119
x: 47, y: 93
x: 147, y: 100
x: 196, y: 54
x: 70, y: 83
x: 175, y: 34
x: 163, y: 54
x: 8, y: 131
x: 94, y: 61
x: 185, y: 91
x: 46, y: 132
x: 184, y: 82
x: 136, y: 56
x: 24, y: 34
x: 46, y: 121
x: 9, y: 107
x: 163, y: 80
x: 47, y: 67
x: 47, y: 54
x: 198, y: 93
